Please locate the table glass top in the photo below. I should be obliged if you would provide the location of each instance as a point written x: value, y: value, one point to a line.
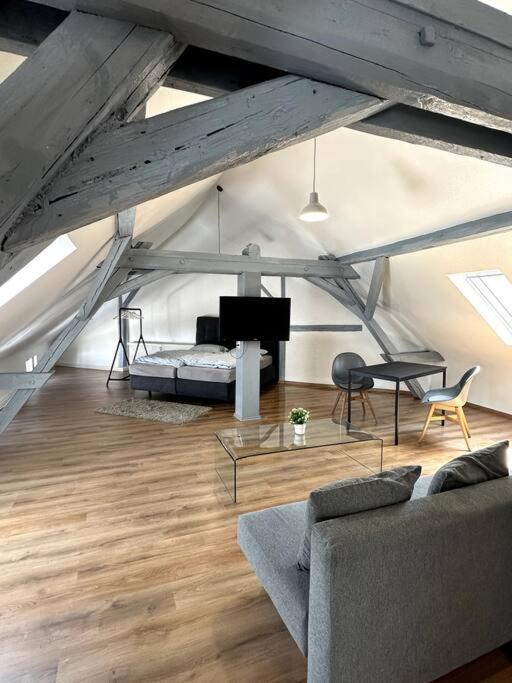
x: 258, y: 439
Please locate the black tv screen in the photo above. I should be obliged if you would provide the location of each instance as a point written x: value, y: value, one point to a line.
x: 253, y: 318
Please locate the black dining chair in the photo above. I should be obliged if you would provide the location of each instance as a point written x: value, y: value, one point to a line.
x: 360, y: 386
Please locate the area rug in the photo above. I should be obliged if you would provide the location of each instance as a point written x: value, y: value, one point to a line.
x: 158, y: 411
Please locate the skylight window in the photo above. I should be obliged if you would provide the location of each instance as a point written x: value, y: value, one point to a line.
x: 490, y: 292
x: 54, y: 253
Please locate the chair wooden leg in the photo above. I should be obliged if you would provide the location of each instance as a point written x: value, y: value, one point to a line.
x: 462, y: 423
x: 427, y: 422
x: 337, y: 401
x: 370, y: 406
x: 343, y: 402
x: 361, y: 394
x: 465, y: 422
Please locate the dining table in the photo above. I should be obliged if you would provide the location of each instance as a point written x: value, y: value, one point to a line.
x: 396, y: 372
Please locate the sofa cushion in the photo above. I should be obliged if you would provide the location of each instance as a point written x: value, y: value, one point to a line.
x: 473, y: 468
x: 421, y: 487
x: 348, y: 496
x: 270, y: 540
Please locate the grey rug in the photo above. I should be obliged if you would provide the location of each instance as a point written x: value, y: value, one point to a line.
x: 159, y: 411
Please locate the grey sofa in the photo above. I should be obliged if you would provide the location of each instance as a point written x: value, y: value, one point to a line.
x: 405, y: 593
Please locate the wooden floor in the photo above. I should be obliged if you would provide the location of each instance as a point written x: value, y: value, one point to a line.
x: 119, y: 560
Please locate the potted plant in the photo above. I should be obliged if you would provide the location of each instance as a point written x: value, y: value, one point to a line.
x: 298, y: 417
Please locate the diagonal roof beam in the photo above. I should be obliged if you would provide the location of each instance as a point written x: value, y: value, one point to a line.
x: 89, y: 72
x: 379, y: 271
x: 449, y: 57
x: 142, y: 160
x: 97, y: 295
x: 490, y: 225
x: 23, y: 380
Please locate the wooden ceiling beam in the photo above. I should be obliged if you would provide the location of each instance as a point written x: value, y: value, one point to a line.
x: 89, y: 72
x: 481, y: 227
x: 142, y: 160
x: 421, y: 127
x: 462, y: 68
x: 24, y: 24
x: 232, y: 264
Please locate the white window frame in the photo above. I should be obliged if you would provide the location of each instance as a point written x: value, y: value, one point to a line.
x: 495, y: 310
x: 49, y: 257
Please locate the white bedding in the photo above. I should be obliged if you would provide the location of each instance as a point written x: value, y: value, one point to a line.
x: 209, y: 360
x: 172, y: 358
x: 191, y: 357
x: 195, y: 358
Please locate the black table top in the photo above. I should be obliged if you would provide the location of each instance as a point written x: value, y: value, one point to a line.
x: 397, y: 371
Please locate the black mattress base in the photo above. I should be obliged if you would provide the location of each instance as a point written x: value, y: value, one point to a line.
x: 192, y: 388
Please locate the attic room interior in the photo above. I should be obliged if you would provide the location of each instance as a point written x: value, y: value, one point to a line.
x: 256, y: 341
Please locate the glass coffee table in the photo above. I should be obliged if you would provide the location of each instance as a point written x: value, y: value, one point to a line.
x: 250, y: 441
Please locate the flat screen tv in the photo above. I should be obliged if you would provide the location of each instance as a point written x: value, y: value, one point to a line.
x: 253, y: 318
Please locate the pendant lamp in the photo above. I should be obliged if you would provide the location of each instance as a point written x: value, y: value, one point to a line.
x: 314, y: 211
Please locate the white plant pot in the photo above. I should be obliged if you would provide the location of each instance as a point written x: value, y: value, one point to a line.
x: 300, y: 429
x: 299, y: 440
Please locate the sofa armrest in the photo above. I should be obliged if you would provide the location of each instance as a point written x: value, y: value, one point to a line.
x: 411, y: 591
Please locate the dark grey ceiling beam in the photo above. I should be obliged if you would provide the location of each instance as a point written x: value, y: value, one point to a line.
x: 24, y: 24
x: 422, y: 127
x: 490, y: 225
x: 375, y: 46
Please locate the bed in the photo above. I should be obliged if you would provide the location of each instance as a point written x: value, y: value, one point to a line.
x: 195, y: 374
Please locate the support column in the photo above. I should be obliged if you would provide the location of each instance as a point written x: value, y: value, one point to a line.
x: 282, y: 344
x: 247, y: 398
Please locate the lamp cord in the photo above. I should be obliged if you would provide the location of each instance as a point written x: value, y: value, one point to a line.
x: 314, y: 164
x: 218, y: 220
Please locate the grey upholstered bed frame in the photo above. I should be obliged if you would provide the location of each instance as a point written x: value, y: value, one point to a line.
x: 207, y: 332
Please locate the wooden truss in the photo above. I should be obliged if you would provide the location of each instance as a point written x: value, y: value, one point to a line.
x: 72, y: 150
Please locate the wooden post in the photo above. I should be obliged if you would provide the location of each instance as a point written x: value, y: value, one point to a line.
x: 247, y: 400
x: 282, y: 344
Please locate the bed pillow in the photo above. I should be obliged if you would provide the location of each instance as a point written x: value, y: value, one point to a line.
x: 348, y: 496
x: 235, y: 350
x: 473, y: 468
x: 210, y: 348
